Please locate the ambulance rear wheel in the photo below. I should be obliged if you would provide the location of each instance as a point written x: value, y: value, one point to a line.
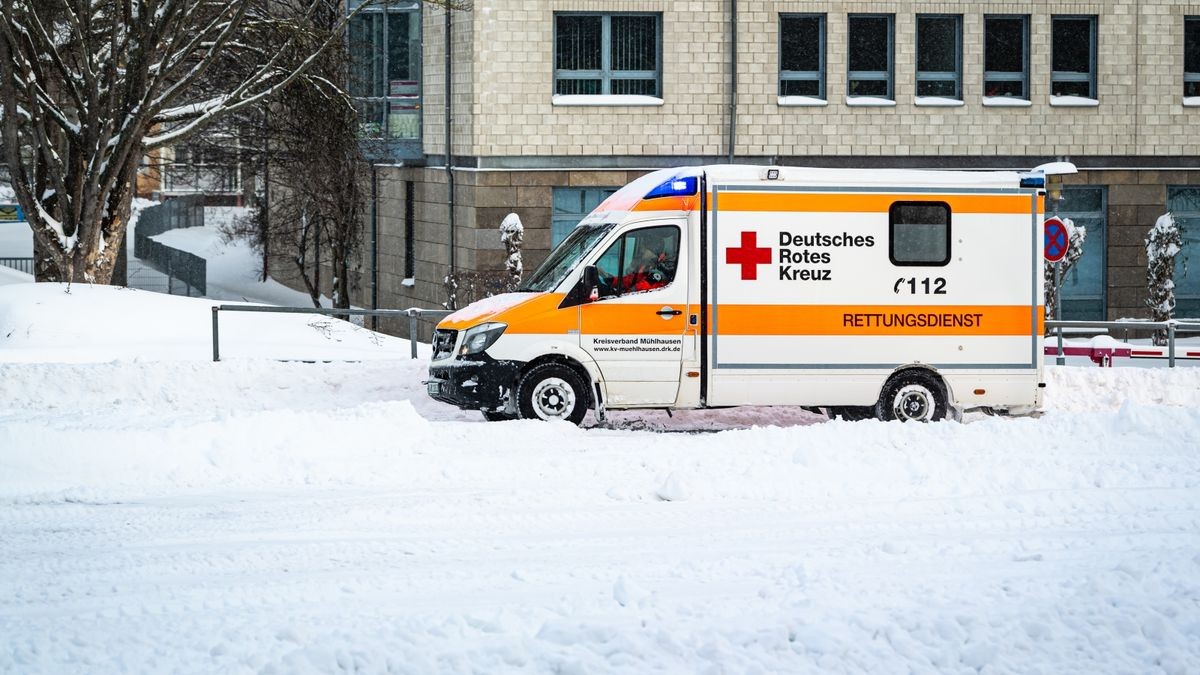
x: 913, y: 396
x: 552, y: 391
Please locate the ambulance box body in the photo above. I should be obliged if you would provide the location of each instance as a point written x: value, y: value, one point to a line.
x: 891, y: 294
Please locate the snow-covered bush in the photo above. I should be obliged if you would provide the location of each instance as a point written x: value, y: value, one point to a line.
x: 1164, y: 241
x: 512, y: 234
x: 1076, y: 235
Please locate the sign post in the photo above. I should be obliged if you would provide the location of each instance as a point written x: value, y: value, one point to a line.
x: 1057, y: 243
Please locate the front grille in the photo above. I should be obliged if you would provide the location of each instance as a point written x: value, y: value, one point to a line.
x: 443, y: 343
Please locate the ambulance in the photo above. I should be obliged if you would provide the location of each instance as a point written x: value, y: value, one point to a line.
x: 897, y: 295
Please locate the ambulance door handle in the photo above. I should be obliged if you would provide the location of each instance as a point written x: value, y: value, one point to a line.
x: 667, y: 311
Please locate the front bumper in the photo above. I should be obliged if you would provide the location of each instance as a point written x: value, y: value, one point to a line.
x: 472, y: 385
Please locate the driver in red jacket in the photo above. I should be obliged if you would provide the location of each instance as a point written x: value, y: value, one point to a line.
x: 652, y: 267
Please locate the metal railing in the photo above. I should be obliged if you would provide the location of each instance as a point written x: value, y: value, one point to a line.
x: 414, y: 314
x: 173, y: 214
x: 1172, y: 327
x: 20, y: 264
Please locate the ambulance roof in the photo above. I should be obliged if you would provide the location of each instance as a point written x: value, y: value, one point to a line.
x: 676, y: 189
x: 794, y: 175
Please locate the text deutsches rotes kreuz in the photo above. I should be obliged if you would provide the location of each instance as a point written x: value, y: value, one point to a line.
x: 808, y: 257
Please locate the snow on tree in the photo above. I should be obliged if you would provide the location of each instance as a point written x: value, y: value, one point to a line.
x: 89, y: 87
x: 1076, y: 235
x: 512, y: 233
x: 1164, y: 241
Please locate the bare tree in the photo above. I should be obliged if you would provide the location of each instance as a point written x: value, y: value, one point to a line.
x: 309, y: 135
x: 88, y: 87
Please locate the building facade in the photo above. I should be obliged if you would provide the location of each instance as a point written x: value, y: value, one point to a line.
x: 555, y: 103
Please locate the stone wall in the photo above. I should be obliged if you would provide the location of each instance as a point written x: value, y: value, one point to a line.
x: 1139, y: 83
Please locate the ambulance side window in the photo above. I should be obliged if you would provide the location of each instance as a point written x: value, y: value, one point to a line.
x: 641, y: 260
x: 919, y: 233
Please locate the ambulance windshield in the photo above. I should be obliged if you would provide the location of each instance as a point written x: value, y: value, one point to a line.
x: 563, y: 259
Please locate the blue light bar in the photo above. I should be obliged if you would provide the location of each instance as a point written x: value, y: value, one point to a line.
x: 1034, y: 180
x: 676, y: 187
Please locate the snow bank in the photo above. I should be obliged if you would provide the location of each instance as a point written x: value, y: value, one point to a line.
x: 9, y: 276
x: 81, y: 323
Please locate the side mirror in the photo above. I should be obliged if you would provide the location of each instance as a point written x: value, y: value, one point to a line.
x: 590, y: 281
x: 586, y: 290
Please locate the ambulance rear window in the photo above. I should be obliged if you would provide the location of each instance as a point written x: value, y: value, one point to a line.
x: 919, y: 233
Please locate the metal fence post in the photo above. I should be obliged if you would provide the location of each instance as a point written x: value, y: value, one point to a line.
x: 216, y: 349
x: 1059, y: 360
x: 1170, y: 344
x: 412, y: 332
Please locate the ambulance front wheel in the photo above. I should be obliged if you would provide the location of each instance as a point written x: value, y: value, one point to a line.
x: 552, y: 391
x: 913, y: 396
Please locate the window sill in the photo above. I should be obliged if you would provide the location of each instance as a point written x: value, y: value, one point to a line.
x: 1073, y: 102
x: 604, y: 100
x: 1191, y: 101
x: 1006, y: 102
x: 802, y: 101
x: 870, y: 102
x: 937, y: 102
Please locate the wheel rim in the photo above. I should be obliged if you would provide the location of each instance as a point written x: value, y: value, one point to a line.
x: 914, y: 402
x: 553, y: 399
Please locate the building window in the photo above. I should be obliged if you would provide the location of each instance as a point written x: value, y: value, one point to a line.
x: 1191, y: 56
x: 919, y: 233
x: 939, y: 55
x: 1184, y: 205
x: 209, y: 165
x: 802, y: 55
x: 870, y: 47
x: 1081, y: 294
x: 1073, y: 56
x: 385, y: 69
x: 1006, y: 56
x: 600, y: 54
x: 570, y: 205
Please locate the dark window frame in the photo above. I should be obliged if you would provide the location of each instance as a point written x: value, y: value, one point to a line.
x: 892, y: 234
x: 939, y: 75
x: 1096, y: 241
x: 605, y: 73
x: 1189, y: 77
x: 819, y: 76
x: 1009, y: 75
x: 557, y: 217
x: 380, y: 144
x: 1191, y: 302
x: 873, y: 75
x: 1093, y: 56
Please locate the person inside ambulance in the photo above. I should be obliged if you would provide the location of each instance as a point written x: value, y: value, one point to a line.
x: 650, y: 259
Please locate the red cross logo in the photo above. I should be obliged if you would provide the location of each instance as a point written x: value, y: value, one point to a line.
x: 748, y: 255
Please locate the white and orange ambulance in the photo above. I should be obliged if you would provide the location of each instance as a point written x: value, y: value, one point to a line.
x: 899, y: 294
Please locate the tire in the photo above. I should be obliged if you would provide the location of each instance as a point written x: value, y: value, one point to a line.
x: 913, y: 396
x: 498, y: 416
x: 552, y: 391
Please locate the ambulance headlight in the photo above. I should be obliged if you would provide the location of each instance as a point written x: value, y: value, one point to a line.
x: 478, y: 339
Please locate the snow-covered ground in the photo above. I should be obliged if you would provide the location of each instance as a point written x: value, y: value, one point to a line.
x: 161, y: 513
x: 234, y: 269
